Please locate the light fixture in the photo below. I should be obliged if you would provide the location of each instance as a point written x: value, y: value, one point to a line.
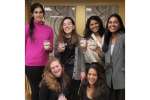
x: 73, y: 8
x: 89, y: 9
x: 48, y: 9
x: 57, y: 16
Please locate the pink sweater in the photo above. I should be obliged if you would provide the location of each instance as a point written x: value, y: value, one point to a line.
x: 35, y: 54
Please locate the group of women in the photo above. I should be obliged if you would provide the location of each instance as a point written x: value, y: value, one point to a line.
x: 91, y: 67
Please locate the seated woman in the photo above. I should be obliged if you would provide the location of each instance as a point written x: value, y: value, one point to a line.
x: 55, y: 83
x: 94, y: 87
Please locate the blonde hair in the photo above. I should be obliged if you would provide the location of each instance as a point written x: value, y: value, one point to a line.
x: 50, y: 80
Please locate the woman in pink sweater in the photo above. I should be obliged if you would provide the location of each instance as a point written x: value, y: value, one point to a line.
x: 38, y: 45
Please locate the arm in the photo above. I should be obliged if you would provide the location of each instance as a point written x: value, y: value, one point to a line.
x: 82, y: 64
x: 51, y: 39
x: 26, y: 32
x: 43, y: 93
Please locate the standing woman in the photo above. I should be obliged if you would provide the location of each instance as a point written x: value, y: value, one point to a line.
x: 114, y: 48
x: 55, y: 83
x: 94, y: 87
x: 70, y: 54
x: 94, y: 34
x: 38, y: 45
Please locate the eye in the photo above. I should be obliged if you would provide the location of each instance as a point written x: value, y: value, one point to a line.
x: 38, y: 12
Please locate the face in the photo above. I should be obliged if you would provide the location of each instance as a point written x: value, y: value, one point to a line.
x: 113, y: 24
x: 94, y: 26
x: 92, y: 76
x: 56, y: 68
x: 38, y: 14
x: 68, y: 27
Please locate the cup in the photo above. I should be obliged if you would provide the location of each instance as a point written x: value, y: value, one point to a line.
x: 61, y: 45
x: 83, y: 42
x: 46, y: 44
x: 92, y: 44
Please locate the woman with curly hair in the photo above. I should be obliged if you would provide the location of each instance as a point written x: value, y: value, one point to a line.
x: 55, y: 82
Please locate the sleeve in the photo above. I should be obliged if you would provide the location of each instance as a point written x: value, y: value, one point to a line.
x: 124, y: 41
x: 43, y: 93
x: 105, y: 94
x: 51, y: 38
x: 81, y: 60
x: 26, y: 32
x: 81, y: 93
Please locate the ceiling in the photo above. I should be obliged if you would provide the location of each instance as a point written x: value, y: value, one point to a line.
x: 75, y: 1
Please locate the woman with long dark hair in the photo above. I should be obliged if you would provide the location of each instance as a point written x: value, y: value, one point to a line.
x: 94, y: 35
x: 55, y: 82
x: 114, y: 48
x: 70, y: 54
x: 38, y: 45
x: 94, y: 87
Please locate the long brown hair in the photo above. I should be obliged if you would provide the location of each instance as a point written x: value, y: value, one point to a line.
x: 74, y: 35
x: 50, y: 80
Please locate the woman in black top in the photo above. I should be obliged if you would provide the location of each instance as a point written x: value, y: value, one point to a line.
x: 70, y: 54
x: 55, y: 83
x: 94, y: 87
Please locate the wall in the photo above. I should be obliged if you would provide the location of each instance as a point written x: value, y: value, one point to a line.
x: 80, y: 8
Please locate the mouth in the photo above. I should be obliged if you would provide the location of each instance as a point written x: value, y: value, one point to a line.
x: 92, y: 80
x: 95, y: 29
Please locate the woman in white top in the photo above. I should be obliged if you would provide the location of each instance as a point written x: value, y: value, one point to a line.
x: 94, y: 35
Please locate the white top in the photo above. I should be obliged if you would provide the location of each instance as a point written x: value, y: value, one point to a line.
x: 95, y: 39
x: 112, y: 48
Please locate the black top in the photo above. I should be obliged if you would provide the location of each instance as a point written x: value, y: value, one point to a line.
x: 83, y: 94
x: 46, y: 94
x: 68, y: 56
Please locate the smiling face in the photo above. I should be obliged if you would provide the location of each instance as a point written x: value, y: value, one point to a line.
x: 113, y: 24
x: 68, y: 26
x: 94, y: 26
x: 38, y: 14
x: 56, y: 69
x: 92, y: 76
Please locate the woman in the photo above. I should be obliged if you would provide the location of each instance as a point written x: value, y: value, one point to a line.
x: 55, y: 82
x: 38, y: 45
x: 70, y: 54
x: 114, y: 48
x: 94, y: 34
x: 94, y: 87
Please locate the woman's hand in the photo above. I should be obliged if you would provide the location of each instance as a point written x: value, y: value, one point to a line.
x: 82, y: 75
x: 61, y: 47
x: 62, y: 97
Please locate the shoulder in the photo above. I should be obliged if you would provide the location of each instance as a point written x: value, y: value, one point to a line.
x: 27, y: 25
x: 49, y: 28
x: 27, y: 28
x: 122, y: 34
x: 43, y: 85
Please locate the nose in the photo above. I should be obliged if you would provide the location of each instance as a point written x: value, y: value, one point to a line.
x: 91, y: 76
